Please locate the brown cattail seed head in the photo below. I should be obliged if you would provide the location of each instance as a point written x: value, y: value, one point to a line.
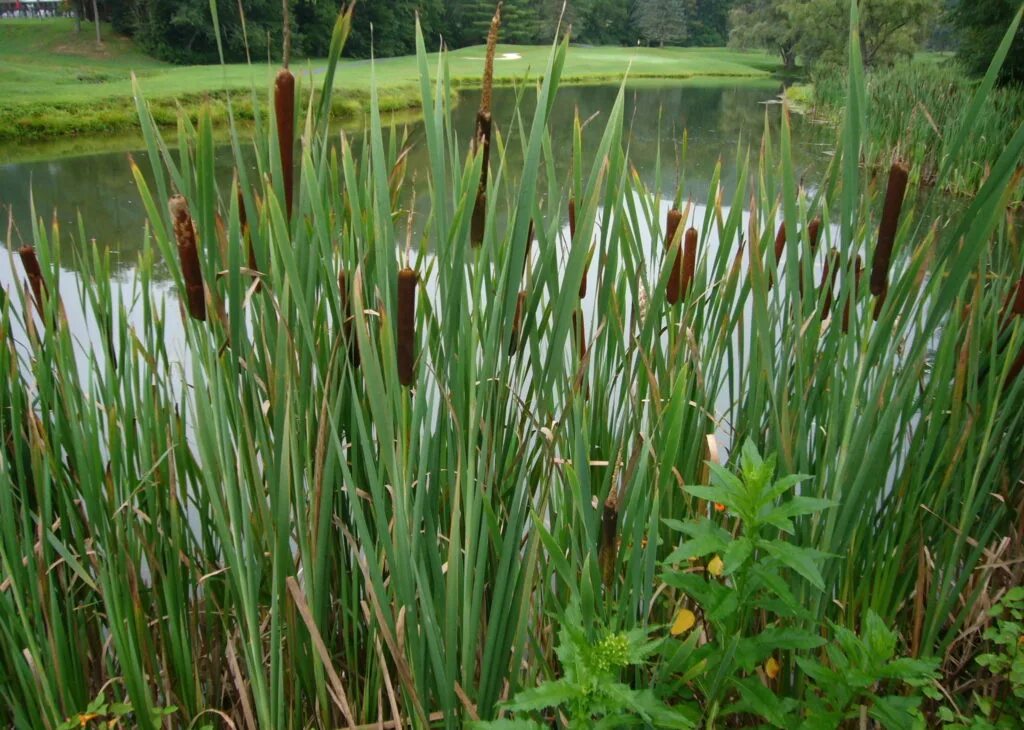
x: 30, y: 263
x: 673, y: 290
x: 191, y: 272
x: 780, y: 242
x: 689, y: 258
x: 894, y: 193
x: 579, y: 332
x: 284, y: 109
x: 406, y: 341
x: 482, y: 142
x: 780, y: 247
x: 814, y: 233
x: 609, y: 538
x: 517, y: 324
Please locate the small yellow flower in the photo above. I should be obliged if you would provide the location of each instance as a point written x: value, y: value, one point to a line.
x: 716, y: 566
x: 771, y: 668
x: 685, y: 620
x: 85, y: 718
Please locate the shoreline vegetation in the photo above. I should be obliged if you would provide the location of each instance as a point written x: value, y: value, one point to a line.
x: 58, y: 85
x: 916, y: 109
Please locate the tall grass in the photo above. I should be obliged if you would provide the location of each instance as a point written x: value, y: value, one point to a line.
x: 266, y: 529
x: 917, y: 109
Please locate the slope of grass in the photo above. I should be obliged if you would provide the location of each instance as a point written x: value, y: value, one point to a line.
x: 57, y: 83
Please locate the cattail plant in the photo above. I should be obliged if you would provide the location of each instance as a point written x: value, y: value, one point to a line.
x: 609, y: 538
x: 894, y: 194
x: 674, y: 287
x: 284, y: 110
x: 482, y: 137
x: 346, y: 317
x: 406, y: 345
x: 689, y: 258
x: 34, y: 273
x: 185, y: 235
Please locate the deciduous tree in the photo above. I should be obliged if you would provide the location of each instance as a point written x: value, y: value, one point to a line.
x: 982, y: 25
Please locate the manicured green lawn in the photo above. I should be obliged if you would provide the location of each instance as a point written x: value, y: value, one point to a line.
x: 57, y: 83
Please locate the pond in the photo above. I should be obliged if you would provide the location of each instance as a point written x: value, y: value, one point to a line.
x: 720, y: 122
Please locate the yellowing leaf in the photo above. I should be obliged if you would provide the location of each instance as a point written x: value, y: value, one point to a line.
x: 771, y: 668
x: 685, y: 620
x: 716, y: 566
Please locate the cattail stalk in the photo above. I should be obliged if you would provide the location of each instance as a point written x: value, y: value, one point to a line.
x: 284, y: 109
x: 894, y: 194
x: 346, y: 315
x: 673, y: 290
x: 609, y: 538
x: 689, y: 259
x: 406, y: 342
x: 191, y: 272
x: 482, y: 137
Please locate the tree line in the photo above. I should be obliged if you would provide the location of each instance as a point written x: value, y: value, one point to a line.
x: 800, y: 31
x: 181, y: 31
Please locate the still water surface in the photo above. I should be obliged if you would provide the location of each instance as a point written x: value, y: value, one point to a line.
x: 720, y: 123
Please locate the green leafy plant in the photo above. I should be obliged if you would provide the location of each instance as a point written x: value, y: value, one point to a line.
x: 112, y: 714
x: 591, y: 693
x: 751, y: 615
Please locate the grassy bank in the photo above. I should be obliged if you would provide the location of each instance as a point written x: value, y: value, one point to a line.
x: 56, y: 83
x: 915, y: 110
